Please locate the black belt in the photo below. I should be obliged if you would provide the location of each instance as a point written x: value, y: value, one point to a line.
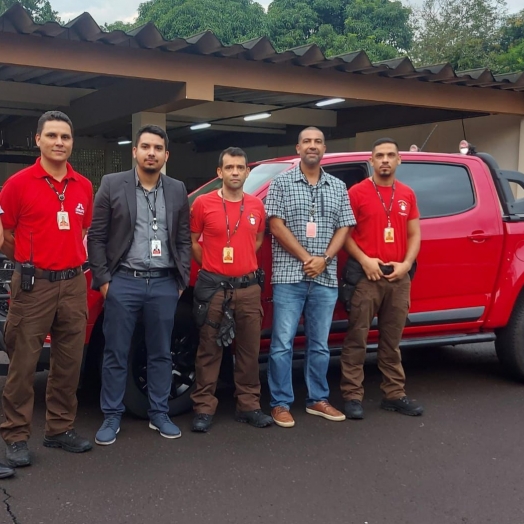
x: 53, y: 276
x: 151, y: 273
x: 237, y: 282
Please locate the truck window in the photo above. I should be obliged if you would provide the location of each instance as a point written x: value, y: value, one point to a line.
x: 441, y: 189
x: 350, y: 174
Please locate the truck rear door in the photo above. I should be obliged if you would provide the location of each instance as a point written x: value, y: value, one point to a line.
x: 462, y: 238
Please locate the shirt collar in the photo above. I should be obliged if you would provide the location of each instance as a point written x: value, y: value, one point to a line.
x: 137, y: 180
x: 298, y: 176
x: 40, y: 172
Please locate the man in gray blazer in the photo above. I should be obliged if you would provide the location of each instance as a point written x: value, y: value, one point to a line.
x: 139, y: 249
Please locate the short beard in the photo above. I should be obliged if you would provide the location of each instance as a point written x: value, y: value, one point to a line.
x: 309, y: 162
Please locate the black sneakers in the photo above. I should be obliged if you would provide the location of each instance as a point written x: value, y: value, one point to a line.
x: 17, y: 454
x: 202, y: 423
x: 69, y: 441
x: 353, y: 409
x: 256, y: 418
x: 402, y: 405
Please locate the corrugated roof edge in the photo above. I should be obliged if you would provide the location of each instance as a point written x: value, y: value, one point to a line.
x: 17, y: 20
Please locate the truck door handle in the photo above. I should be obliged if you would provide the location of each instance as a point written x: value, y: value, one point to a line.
x: 479, y: 237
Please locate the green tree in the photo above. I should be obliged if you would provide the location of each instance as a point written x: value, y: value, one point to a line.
x: 379, y: 27
x: 122, y: 26
x: 232, y: 21
x: 39, y: 10
x: 464, y: 33
x: 510, y: 55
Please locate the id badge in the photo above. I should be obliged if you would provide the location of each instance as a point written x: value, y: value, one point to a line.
x: 389, y: 235
x: 62, y: 219
x: 156, y: 248
x: 311, y: 230
x: 227, y: 255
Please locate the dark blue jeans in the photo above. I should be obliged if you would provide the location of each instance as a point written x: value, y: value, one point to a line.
x: 127, y: 296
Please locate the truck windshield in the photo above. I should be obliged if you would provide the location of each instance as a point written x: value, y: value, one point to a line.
x: 258, y: 177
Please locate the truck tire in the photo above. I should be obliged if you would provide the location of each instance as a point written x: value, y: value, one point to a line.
x: 184, y: 344
x: 509, y: 343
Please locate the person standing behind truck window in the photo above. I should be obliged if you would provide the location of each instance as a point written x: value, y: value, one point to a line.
x: 47, y: 210
x: 309, y: 217
x: 232, y: 224
x: 385, y: 242
x: 139, y: 252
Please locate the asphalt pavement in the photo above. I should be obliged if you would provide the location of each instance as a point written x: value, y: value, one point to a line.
x: 460, y: 463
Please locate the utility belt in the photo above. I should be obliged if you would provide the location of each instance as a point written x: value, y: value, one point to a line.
x: 45, y: 274
x: 207, y: 285
x: 150, y: 273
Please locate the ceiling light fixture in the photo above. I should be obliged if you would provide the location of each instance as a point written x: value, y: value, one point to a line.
x: 330, y: 101
x: 124, y: 141
x: 258, y: 116
x: 203, y: 125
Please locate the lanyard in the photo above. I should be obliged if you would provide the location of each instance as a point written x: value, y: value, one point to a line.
x: 230, y: 235
x: 61, y: 196
x: 388, y: 211
x: 152, y: 207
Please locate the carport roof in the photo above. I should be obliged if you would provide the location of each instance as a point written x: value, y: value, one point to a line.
x: 84, y: 28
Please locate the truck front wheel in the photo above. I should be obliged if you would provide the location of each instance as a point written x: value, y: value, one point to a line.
x: 184, y: 344
x: 510, y: 342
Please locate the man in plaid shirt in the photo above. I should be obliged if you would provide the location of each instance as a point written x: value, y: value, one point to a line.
x: 309, y: 216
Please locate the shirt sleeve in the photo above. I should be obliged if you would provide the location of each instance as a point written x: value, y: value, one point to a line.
x: 196, y: 216
x: 10, y: 204
x: 346, y: 218
x: 275, y: 200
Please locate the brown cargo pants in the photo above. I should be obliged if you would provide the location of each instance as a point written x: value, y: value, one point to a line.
x: 58, y: 308
x: 390, y: 302
x: 248, y: 319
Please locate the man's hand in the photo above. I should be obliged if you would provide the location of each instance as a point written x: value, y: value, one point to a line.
x: 372, y: 269
x: 314, y: 266
x: 400, y: 270
x: 103, y: 289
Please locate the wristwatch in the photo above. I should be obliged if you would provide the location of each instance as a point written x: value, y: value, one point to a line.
x: 327, y: 259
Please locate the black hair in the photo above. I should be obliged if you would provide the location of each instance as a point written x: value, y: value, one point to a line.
x: 231, y: 151
x: 51, y: 116
x: 384, y: 140
x: 154, y: 130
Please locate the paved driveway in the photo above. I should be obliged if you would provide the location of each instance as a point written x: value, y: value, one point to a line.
x: 462, y: 462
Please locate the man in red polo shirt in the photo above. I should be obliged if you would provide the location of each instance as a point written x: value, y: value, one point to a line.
x: 382, y: 247
x: 47, y: 210
x: 232, y: 224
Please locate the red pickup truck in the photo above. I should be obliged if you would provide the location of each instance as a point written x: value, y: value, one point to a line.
x: 469, y: 282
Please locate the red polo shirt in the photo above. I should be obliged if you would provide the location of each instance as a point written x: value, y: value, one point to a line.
x: 209, y: 218
x: 30, y: 209
x: 372, y: 218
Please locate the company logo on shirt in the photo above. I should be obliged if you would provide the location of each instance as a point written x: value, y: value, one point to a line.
x: 252, y: 219
x: 79, y: 209
x: 403, y: 205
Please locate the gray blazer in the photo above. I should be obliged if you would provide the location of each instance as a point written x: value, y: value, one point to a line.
x: 114, y: 215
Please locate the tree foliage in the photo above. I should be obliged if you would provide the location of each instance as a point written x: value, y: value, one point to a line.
x: 39, y: 10
x: 380, y: 27
x: 464, y: 33
x: 510, y: 55
x: 232, y: 21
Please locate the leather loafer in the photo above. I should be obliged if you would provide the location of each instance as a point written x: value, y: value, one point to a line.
x: 202, y: 422
x: 6, y: 471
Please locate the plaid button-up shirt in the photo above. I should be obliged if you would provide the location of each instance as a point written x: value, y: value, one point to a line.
x: 294, y: 200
